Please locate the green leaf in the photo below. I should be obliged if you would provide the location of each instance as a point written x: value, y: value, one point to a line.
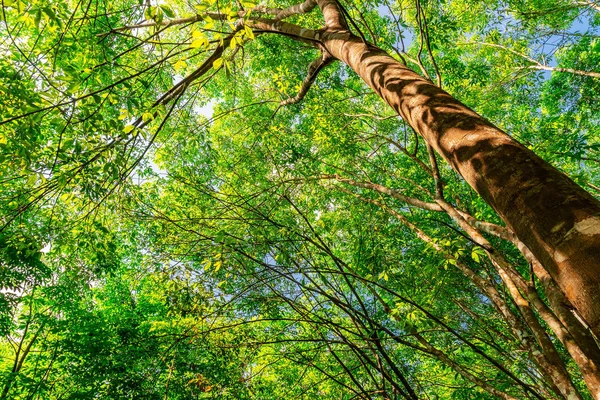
x: 168, y: 11
x: 50, y: 13
x: 150, y: 12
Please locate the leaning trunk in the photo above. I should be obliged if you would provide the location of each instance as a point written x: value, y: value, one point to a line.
x: 557, y: 220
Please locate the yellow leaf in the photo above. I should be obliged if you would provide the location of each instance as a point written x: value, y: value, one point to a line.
x: 217, y: 63
x: 199, y: 43
x: 3, y: 139
x: 147, y: 116
x: 180, y: 65
x: 210, y: 24
x: 249, y: 32
x: 128, y: 128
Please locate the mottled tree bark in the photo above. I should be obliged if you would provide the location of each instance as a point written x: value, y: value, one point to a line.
x: 557, y: 220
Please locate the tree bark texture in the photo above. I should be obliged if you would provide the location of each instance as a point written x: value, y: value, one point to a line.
x: 557, y: 220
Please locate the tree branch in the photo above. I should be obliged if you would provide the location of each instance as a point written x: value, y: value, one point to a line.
x: 538, y: 65
x: 390, y: 192
x: 313, y: 71
x: 424, y: 33
x: 301, y: 8
x: 543, y: 67
x: 333, y: 15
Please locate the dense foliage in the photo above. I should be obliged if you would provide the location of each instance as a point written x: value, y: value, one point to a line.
x: 169, y: 229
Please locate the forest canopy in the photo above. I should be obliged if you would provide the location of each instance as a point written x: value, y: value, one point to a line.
x: 225, y: 199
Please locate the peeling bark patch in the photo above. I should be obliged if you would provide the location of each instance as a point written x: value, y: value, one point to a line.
x: 588, y: 227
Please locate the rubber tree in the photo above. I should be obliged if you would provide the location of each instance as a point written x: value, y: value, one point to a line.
x: 557, y: 223
x: 557, y: 220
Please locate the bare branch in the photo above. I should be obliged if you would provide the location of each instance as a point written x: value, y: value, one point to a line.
x: 302, y: 8
x: 166, y: 23
x: 592, y: 4
x: 487, y: 227
x: 385, y: 190
x: 309, y: 36
x: 437, y: 177
x: 313, y: 71
x: 538, y: 65
x: 424, y: 33
x: 542, y: 67
x: 195, y: 18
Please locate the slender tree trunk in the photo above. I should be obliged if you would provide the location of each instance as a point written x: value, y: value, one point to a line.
x: 557, y: 220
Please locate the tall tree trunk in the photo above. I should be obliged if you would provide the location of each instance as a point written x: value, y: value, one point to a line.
x: 557, y: 220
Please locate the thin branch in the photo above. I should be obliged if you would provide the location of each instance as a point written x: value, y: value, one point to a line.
x: 439, y: 183
x: 592, y: 4
x: 385, y: 190
x: 538, y: 65
x: 543, y: 67
x: 421, y: 18
x: 313, y: 71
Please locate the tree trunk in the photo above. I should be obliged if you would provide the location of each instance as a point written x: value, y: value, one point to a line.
x: 557, y: 220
